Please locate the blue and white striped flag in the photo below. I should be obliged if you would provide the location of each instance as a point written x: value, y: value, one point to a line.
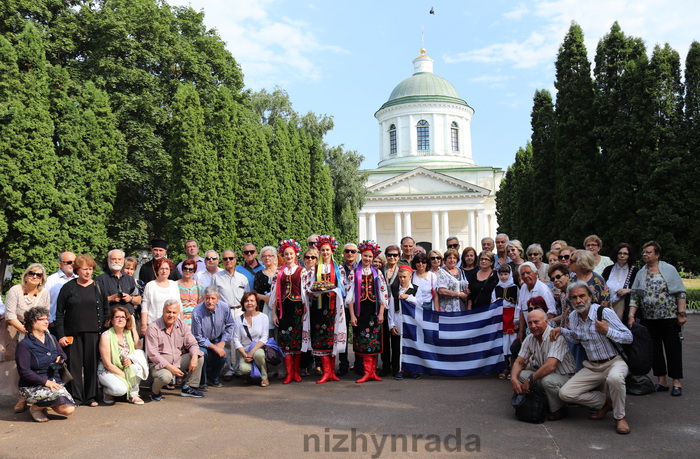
x: 465, y: 343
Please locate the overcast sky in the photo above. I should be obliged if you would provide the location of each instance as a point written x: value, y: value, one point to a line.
x: 343, y: 58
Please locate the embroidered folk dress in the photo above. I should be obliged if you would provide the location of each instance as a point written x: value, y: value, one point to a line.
x: 288, y: 292
x: 371, y: 292
x: 326, y: 318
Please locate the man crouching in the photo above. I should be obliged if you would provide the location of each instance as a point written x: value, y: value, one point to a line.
x: 545, y: 360
x: 604, y: 364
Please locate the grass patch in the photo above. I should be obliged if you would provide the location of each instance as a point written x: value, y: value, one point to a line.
x: 691, y: 283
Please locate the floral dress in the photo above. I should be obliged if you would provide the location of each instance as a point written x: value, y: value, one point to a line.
x: 190, y: 297
x: 458, y: 283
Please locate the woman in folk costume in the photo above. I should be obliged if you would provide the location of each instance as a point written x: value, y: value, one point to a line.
x: 508, y: 292
x: 325, y: 322
x: 367, y: 299
x: 287, y: 301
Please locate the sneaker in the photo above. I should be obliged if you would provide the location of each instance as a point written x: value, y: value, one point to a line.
x: 399, y: 376
x: 416, y: 375
x: 216, y: 384
x: 136, y: 400
x: 108, y: 399
x: 157, y: 397
x: 203, y: 388
x: 188, y: 391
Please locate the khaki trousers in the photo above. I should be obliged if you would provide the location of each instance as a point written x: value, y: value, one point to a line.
x: 581, y: 388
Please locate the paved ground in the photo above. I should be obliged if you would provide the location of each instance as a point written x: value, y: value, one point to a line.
x: 284, y: 421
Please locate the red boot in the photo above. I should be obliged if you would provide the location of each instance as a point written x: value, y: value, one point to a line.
x: 296, y: 365
x: 370, y: 369
x: 289, y: 366
x: 327, y: 369
x: 333, y: 375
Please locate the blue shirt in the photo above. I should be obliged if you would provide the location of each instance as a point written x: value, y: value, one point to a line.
x: 250, y: 273
x: 211, y: 327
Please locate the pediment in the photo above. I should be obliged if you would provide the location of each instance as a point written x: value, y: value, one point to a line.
x: 424, y: 182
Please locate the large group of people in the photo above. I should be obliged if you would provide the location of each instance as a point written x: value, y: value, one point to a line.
x: 196, y: 324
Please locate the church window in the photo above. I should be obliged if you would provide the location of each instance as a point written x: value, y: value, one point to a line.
x: 423, y: 131
x: 392, y: 139
x: 455, y: 136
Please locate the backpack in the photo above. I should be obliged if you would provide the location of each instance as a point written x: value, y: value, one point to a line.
x: 639, y: 353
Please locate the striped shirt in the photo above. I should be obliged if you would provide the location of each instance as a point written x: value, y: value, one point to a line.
x: 597, y: 345
x: 537, y: 353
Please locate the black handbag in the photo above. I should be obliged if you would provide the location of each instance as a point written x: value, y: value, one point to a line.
x: 639, y: 384
x: 531, y: 407
x: 272, y: 357
x: 639, y: 353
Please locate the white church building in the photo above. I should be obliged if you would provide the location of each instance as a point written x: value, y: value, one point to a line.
x: 427, y: 185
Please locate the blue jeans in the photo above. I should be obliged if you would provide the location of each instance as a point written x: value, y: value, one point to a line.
x: 213, y: 364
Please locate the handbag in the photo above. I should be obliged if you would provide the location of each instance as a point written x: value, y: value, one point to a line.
x: 63, y: 372
x: 531, y: 407
x: 639, y: 384
x: 272, y: 354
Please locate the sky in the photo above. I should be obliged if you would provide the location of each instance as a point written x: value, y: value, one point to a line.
x: 343, y: 58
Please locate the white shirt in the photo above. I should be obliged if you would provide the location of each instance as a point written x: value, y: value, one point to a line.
x: 258, y: 331
x: 154, y: 297
x: 54, y: 283
x: 539, y: 289
x: 231, y: 287
x: 205, y: 278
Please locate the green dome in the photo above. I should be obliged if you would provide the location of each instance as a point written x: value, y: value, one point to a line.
x: 424, y: 87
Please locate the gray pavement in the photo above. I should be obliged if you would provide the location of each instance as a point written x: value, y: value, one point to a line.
x: 346, y: 419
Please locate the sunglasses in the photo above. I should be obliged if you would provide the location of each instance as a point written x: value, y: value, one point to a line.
x: 67, y: 262
x: 211, y: 258
x: 247, y: 252
x: 311, y: 243
x: 229, y: 258
x: 534, y: 254
x: 392, y: 254
x: 435, y: 258
x: 187, y: 270
x: 564, y: 257
x: 307, y: 257
x: 557, y: 277
x: 422, y: 261
x: 350, y: 251
x: 453, y: 246
x: 530, y: 309
x: 34, y: 274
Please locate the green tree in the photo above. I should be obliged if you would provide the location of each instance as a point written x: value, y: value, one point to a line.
x: 578, y: 202
x: 28, y: 164
x: 349, y: 189
x: 543, y: 163
x: 514, y: 197
x: 692, y: 146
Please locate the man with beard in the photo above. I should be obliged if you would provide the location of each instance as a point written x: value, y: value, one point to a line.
x: 159, y: 249
x: 604, y: 364
x: 120, y: 288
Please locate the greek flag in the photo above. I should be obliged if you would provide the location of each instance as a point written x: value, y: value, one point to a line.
x: 464, y: 343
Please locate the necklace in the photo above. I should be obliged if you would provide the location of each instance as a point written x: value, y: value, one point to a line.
x: 29, y: 298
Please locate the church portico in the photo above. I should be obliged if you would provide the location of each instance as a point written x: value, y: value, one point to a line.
x: 427, y: 185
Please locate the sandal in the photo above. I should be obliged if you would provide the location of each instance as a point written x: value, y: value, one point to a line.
x: 20, y: 406
x: 136, y: 400
x: 264, y: 383
x: 92, y: 404
x: 38, y: 414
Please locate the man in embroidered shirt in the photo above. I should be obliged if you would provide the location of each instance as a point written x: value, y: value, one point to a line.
x: 165, y: 338
x: 604, y: 364
x: 544, y: 360
x: 212, y: 327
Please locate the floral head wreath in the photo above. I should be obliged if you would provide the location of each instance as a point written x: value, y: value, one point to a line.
x: 369, y: 245
x: 289, y: 243
x: 326, y: 239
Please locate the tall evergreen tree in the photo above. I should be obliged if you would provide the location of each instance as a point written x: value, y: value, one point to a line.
x: 514, y: 198
x: 28, y: 164
x: 663, y: 206
x: 543, y: 163
x: 322, y: 196
x: 578, y: 205
x: 692, y: 145
x: 192, y: 203
x: 282, y: 153
x: 349, y: 189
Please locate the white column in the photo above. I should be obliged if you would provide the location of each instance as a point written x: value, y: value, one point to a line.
x: 445, y: 227
x: 397, y: 227
x: 472, y: 230
x: 406, y: 225
x: 373, y: 226
x: 436, y: 231
x: 482, y: 224
x: 362, y: 229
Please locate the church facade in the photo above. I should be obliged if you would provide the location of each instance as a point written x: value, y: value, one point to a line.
x: 427, y: 184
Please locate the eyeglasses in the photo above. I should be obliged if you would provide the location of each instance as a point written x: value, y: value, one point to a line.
x: 70, y: 262
x: 307, y: 257
x: 34, y: 274
x: 435, y: 258
x: 564, y: 257
x: 453, y: 246
x: 557, y: 277
x: 392, y: 255
x: 484, y: 259
x: 187, y: 270
x: 211, y: 258
x: 248, y: 252
x: 267, y: 255
x: 350, y: 251
x: 229, y: 258
x: 43, y: 319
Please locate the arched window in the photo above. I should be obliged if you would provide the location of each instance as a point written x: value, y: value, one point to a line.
x: 455, y: 136
x: 423, y: 131
x: 392, y: 139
